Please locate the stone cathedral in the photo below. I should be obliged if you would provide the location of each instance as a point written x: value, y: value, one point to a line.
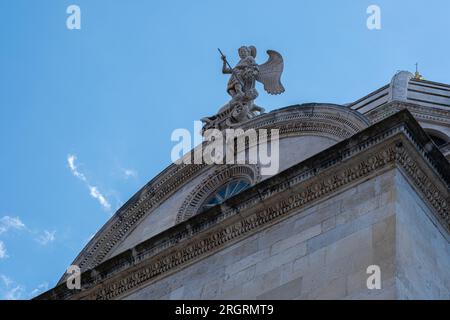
x: 359, y: 185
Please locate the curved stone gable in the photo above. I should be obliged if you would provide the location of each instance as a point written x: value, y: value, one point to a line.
x: 330, y: 121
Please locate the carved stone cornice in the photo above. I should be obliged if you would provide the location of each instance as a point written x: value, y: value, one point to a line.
x: 328, y: 120
x: 396, y: 142
x: 332, y: 121
x: 420, y: 112
x: 446, y: 150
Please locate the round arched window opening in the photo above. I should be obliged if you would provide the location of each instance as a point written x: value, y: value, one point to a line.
x: 225, y: 192
x: 222, y: 183
x: 439, y: 142
x: 440, y: 139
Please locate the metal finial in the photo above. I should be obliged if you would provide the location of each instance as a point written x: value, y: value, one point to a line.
x: 417, y: 75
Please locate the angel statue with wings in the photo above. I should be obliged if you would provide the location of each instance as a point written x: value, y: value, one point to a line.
x: 241, y: 87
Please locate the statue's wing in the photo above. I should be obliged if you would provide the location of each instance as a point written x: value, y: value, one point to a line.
x: 270, y: 73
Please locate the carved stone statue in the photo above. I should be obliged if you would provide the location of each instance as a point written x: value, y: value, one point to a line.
x: 241, y: 87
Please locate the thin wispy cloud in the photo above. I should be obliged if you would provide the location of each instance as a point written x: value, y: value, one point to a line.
x: 7, y: 223
x: 71, y: 161
x: 6, y: 281
x: 40, y: 288
x: 46, y: 237
x: 93, y: 190
x: 15, y: 293
x: 3, y: 253
x: 10, y: 290
x: 129, y: 173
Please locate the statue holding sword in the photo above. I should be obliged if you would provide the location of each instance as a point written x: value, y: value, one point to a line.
x: 241, y: 86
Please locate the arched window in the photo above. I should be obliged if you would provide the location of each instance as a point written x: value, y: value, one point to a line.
x: 221, y: 184
x: 440, y: 139
x: 225, y: 192
x: 439, y: 142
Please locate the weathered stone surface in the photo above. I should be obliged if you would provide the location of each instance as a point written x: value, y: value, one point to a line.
x: 331, y: 262
x: 423, y: 254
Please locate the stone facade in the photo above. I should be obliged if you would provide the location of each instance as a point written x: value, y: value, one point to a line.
x: 323, y: 253
x: 356, y: 190
x: 318, y: 253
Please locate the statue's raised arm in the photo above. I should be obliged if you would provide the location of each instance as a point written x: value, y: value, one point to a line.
x: 225, y: 68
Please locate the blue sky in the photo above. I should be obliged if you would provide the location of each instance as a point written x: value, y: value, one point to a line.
x: 86, y: 115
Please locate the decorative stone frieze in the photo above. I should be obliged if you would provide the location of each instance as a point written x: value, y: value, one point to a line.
x: 419, y: 112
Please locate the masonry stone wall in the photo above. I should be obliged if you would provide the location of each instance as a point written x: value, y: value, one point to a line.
x: 319, y: 253
x: 423, y: 255
x: 323, y: 253
x: 293, y: 152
